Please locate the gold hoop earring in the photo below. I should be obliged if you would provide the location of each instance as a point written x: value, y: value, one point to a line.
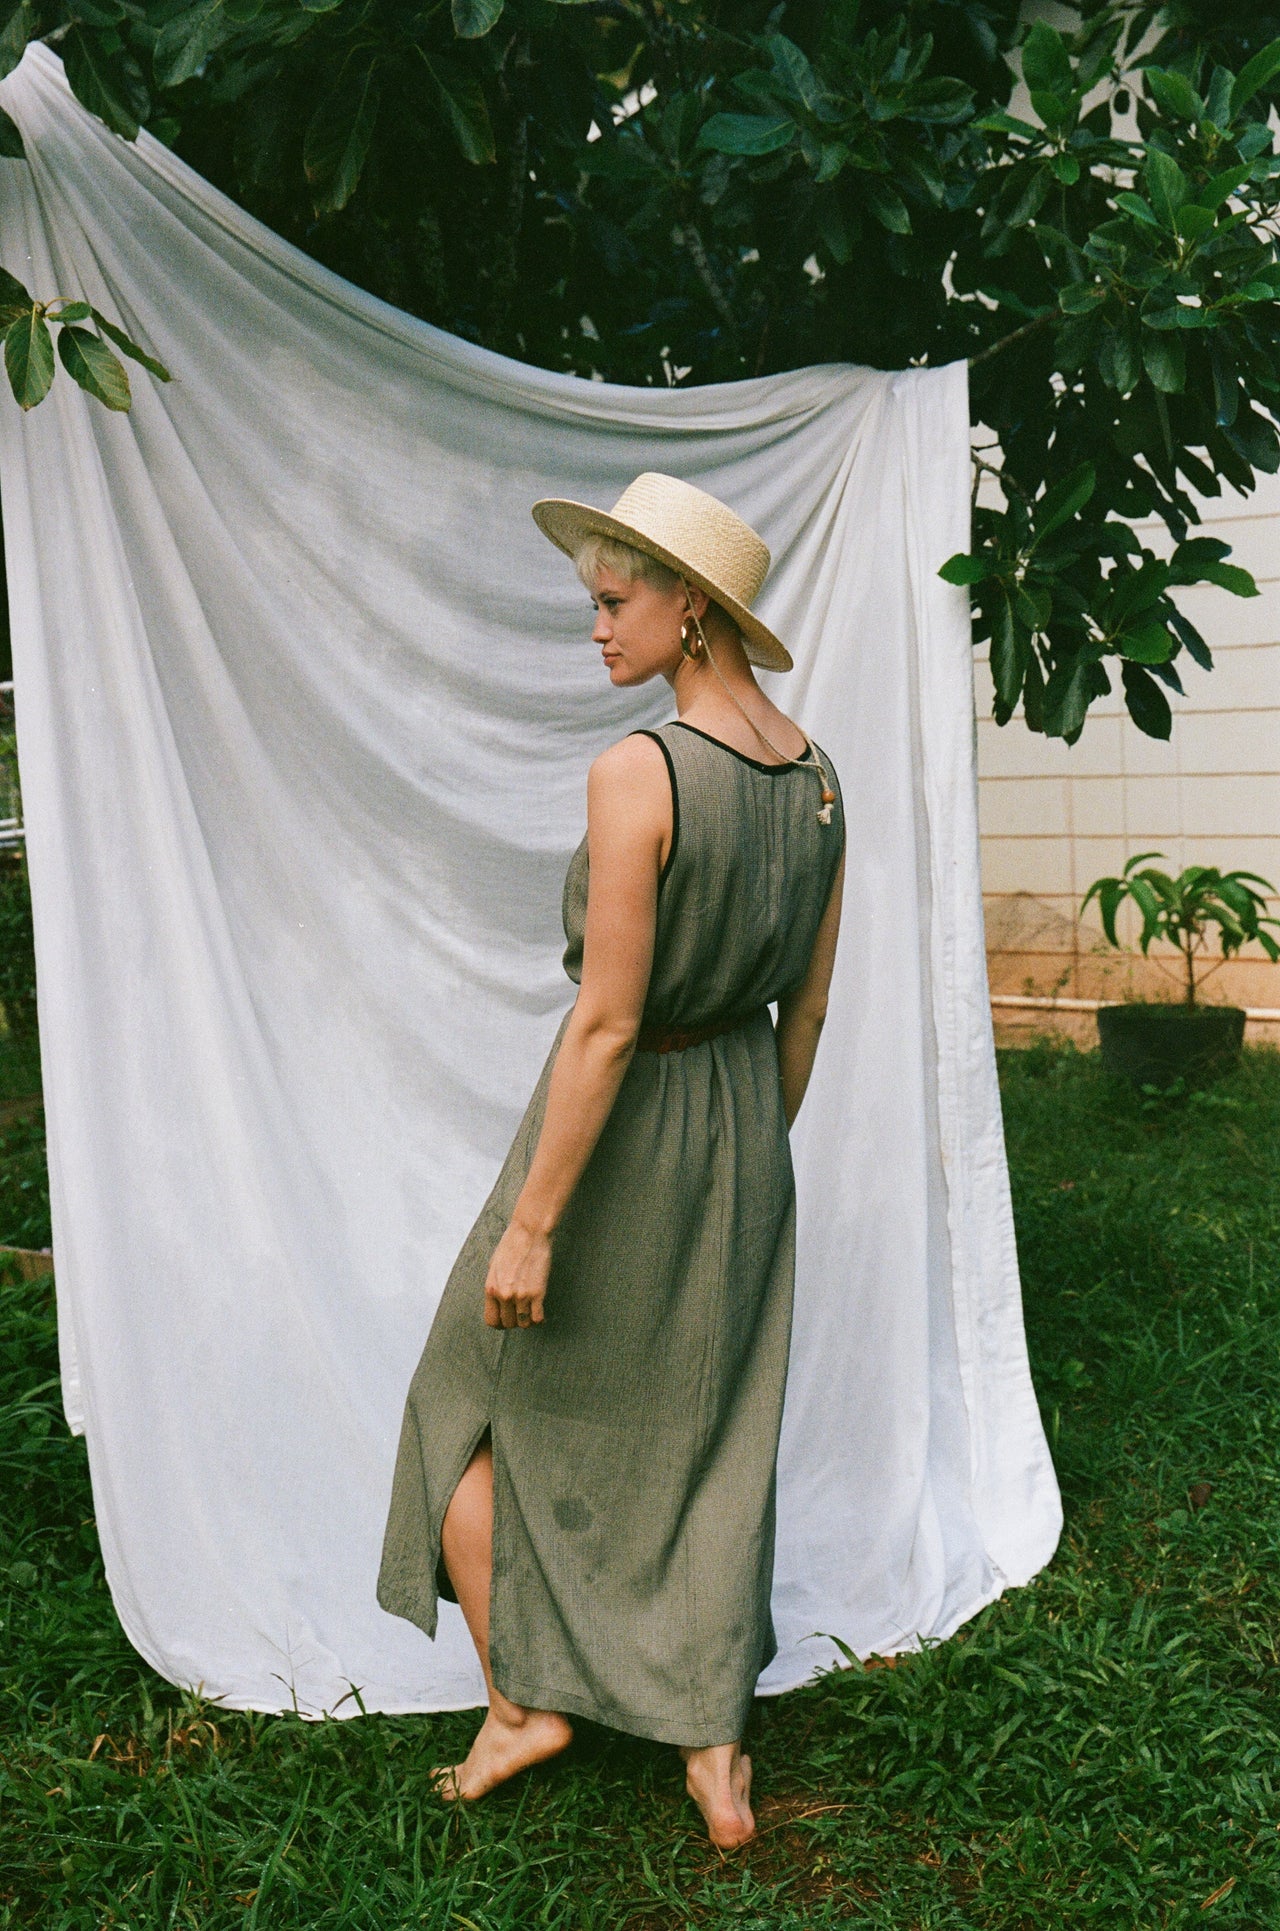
x: 691, y: 651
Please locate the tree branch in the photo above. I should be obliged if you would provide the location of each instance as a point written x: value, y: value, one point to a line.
x: 1007, y: 341
x: 691, y: 241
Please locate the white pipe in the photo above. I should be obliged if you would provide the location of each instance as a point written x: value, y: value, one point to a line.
x: 1096, y: 1005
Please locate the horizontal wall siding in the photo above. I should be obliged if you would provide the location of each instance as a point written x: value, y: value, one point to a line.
x: 1055, y: 817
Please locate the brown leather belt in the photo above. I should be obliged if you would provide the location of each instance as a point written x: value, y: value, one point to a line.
x: 676, y: 1039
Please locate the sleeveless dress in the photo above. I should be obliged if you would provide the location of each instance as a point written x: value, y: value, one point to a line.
x: 635, y: 1431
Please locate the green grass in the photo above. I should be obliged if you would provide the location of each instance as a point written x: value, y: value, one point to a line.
x: 1098, y: 1749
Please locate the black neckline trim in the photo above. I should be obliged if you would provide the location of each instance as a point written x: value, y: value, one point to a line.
x: 773, y: 770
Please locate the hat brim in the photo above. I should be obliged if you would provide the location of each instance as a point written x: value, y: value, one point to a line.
x: 569, y: 524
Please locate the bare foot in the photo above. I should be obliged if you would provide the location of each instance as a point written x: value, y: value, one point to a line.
x: 504, y: 1745
x: 719, y: 1781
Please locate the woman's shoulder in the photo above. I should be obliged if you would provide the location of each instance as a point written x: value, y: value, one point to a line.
x: 634, y: 770
x: 630, y: 757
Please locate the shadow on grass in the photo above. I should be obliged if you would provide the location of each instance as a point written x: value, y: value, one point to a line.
x: 1095, y: 1749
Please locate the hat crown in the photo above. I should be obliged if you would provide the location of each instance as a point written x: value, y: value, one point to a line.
x: 684, y: 520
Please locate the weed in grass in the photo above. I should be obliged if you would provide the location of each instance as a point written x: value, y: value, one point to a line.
x: 1099, y: 1748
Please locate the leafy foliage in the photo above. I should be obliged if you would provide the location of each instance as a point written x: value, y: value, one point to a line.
x: 17, y: 949
x: 1180, y: 910
x: 670, y: 190
x: 25, y: 326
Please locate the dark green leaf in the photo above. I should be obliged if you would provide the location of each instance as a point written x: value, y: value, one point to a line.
x: 127, y: 347
x: 1226, y: 388
x: 28, y: 357
x: 11, y: 148
x: 1033, y: 606
x: 1191, y: 556
x: 1174, y: 94
x: 98, y: 13
x: 1064, y: 500
x: 834, y: 231
x: 938, y: 100
x: 185, y: 42
x: 1110, y: 894
x: 1194, y: 644
x: 462, y: 98
x: 1221, y: 186
x: 472, y: 19
x: 887, y: 205
x: 1193, y: 221
x: 1167, y: 673
x: 14, y: 298
x: 966, y: 569
x: 1134, y: 205
x: 1254, y: 74
x: 1033, y: 694
x: 1077, y: 298
x: 793, y: 69
x: 1021, y: 197
x: 1046, y: 65
x: 1066, y: 167
x: 1010, y: 647
x: 72, y: 312
x: 1166, y: 184
x: 1066, y: 698
x: 1165, y: 360
x: 1149, y: 708
x: 1230, y: 577
x: 831, y: 158
x: 1051, y: 108
x: 1118, y: 360
x: 87, y: 358
x: 18, y: 28
x: 920, y: 168
x: 1132, y: 591
x: 1148, y: 643
x: 110, y: 86
x: 338, y: 137
x: 747, y: 133
x: 999, y: 122
x: 1218, y: 99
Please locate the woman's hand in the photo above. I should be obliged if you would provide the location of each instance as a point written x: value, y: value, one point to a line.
x: 516, y: 1286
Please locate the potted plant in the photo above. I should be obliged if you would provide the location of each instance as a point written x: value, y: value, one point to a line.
x: 1157, y: 1044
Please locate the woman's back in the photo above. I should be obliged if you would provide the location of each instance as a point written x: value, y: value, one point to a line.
x: 745, y: 884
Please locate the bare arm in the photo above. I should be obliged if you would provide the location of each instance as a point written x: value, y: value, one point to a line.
x: 801, y: 1013
x: 629, y: 823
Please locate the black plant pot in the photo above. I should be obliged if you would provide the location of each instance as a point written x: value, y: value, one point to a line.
x: 1156, y: 1045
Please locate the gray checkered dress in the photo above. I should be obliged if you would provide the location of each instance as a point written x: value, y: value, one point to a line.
x: 635, y: 1431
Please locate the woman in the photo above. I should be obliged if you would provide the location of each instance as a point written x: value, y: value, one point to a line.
x: 589, y: 1444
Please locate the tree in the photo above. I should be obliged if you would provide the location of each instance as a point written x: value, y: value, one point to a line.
x: 696, y: 190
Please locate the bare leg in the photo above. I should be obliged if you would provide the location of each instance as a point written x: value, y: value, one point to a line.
x: 719, y: 1781
x: 511, y: 1737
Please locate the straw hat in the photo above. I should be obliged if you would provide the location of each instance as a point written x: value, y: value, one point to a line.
x: 691, y: 533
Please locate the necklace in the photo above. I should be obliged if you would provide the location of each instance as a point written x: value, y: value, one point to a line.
x: 813, y: 762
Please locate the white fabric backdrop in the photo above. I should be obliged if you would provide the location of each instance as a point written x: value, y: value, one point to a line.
x: 305, y: 707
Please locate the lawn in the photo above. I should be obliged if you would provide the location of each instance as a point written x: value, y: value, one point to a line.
x: 1097, y: 1749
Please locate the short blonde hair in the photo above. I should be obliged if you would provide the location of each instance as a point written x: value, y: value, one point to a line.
x: 599, y: 553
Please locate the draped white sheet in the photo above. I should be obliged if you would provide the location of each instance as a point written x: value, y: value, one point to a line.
x: 305, y: 708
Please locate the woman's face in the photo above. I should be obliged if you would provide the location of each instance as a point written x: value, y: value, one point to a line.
x: 637, y: 628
